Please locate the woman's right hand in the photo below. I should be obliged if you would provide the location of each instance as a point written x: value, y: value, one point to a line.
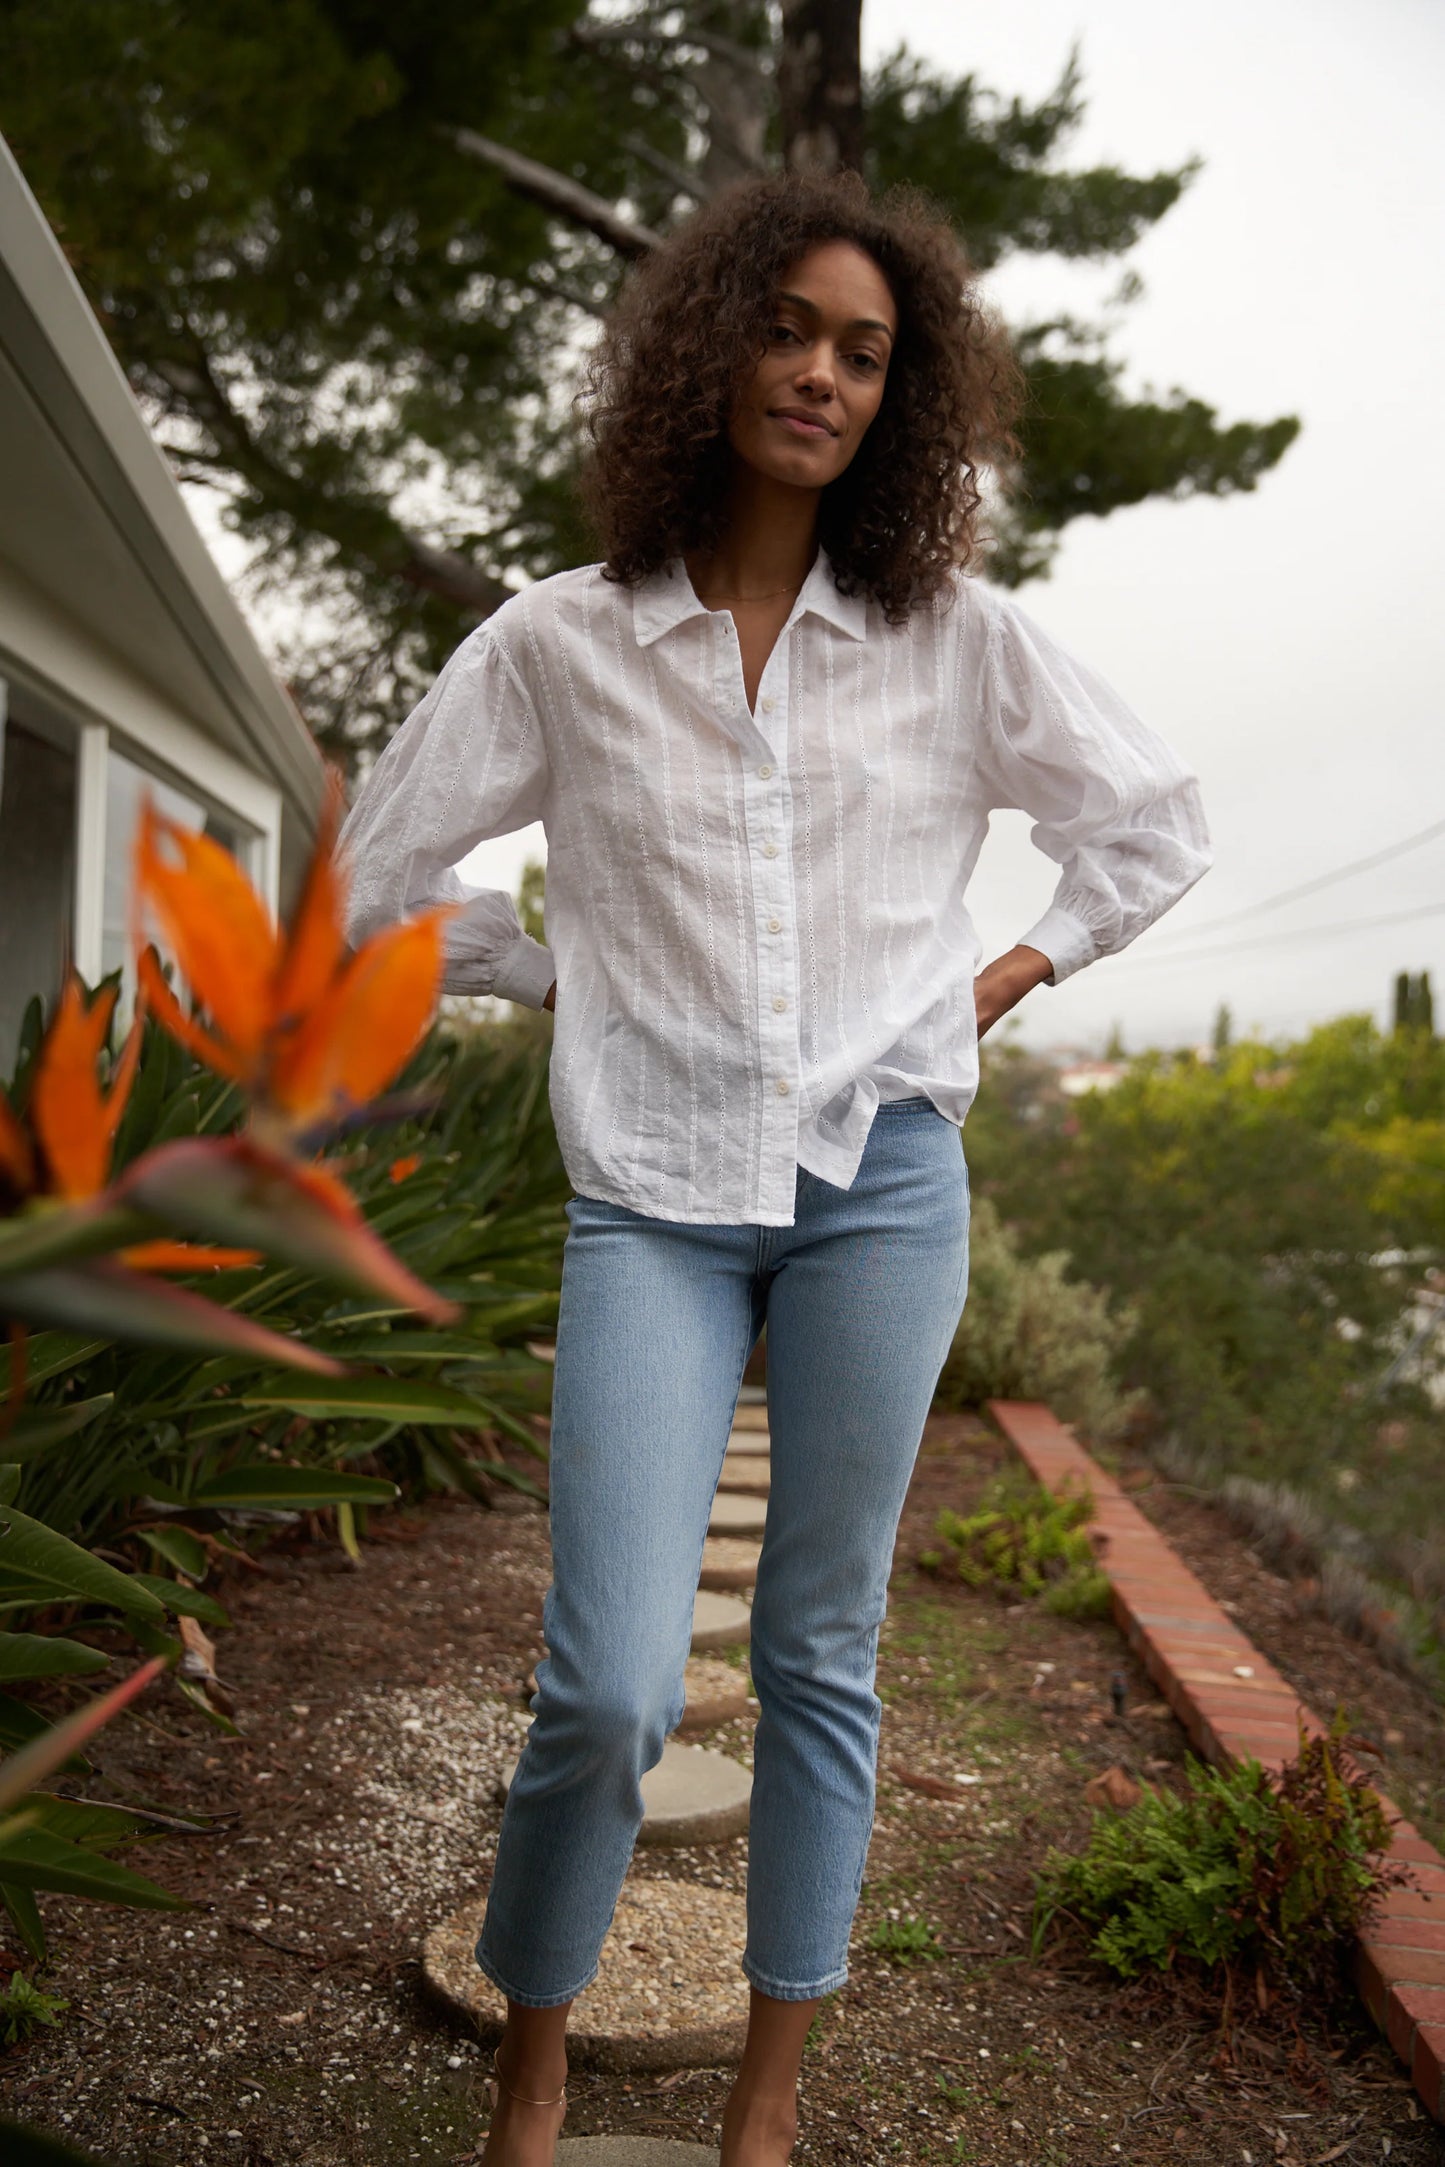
x: 551, y: 998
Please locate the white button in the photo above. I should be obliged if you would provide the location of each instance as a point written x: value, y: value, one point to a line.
x: 779, y: 1003
x: 775, y: 925
x: 770, y: 850
x: 765, y: 772
x: 769, y: 704
x: 782, y: 1087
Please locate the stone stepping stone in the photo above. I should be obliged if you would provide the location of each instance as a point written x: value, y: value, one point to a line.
x: 747, y: 1417
x: 746, y: 1472
x: 718, y: 1621
x: 733, y: 1515
x: 749, y: 1445
x: 716, y: 1693
x: 752, y: 1395
x: 729, y: 1561
x: 693, y: 1795
x: 634, y: 2152
x: 669, y: 1993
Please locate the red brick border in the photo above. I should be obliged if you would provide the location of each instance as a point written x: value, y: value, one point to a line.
x: 1233, y: 1703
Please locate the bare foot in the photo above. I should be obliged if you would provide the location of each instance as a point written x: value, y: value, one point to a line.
x: 759, y: 2132
x: 522, y: 2133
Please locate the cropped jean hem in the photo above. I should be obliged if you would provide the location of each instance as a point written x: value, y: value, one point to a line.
x: 790, y: 1989
x: 532, y: 2001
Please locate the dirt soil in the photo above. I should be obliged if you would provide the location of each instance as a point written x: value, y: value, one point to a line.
x: 282, y: 2019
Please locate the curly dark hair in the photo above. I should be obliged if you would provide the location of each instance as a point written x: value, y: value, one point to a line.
x: 686, y: 335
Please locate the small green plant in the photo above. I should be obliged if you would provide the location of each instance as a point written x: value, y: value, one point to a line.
x: 1023, y: 1537
x: 1270, y: 1874
x: 24, y: 2007
x: 905, y: 1941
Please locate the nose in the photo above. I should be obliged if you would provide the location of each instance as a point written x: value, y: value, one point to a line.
x: 815, y: 374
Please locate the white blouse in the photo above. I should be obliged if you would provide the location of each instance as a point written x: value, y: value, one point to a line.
x: 756, y: 921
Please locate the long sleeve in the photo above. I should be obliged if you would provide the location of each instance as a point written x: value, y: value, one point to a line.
x: 469, y: 763
x: 1114, y: 807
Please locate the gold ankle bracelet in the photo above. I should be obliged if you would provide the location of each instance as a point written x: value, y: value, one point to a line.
x: 521, y: 2097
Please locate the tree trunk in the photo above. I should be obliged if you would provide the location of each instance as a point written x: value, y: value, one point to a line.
x: 820, y: 86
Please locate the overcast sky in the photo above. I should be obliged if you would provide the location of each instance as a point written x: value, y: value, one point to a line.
x: 1290, y: 643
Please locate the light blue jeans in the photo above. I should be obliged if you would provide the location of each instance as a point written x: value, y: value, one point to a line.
x: 861, y: 1297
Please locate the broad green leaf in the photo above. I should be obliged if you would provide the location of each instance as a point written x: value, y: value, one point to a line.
x: 40, y: 1429
x: 48, y: 1236
x: 50, y: 1354
x: 10, y: 1474
x: 400, y: 1348
x: 268, y: 1484
x: 377, y: 1399
x: 30, y: 1551
x: 185, y: 1602
x: 44, y: 1655
x: 128, y: 1305
x: 43, y: 1755
x: 179, y: 1547
x: 195, y: 1693
x: 38, y: 1861
x: 85, y: 1821
x: 25, y: 1915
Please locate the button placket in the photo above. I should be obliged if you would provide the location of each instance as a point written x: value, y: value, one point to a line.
x: 767, y: 793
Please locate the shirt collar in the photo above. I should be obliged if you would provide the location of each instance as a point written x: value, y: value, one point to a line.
x: 666, y: 599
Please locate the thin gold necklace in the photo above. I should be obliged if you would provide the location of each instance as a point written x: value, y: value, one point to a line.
x: 771, y: 596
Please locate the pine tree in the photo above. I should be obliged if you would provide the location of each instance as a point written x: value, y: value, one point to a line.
x: 348, y: 255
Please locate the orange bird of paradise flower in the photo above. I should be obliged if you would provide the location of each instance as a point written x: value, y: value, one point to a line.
x: 309, y: 1031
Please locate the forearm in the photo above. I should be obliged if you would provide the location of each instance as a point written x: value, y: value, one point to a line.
x: 1002, y: 984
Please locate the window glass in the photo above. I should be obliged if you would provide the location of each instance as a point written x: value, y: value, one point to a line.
x: 37, y: 873
x: 126, y: 786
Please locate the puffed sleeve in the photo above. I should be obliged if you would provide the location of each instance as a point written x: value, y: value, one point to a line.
x: 469, y: 763
x: 1115, y: 808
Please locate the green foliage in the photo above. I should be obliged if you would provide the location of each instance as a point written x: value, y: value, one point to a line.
x: 905, y: 1941
x: 336, y: 315
x: 1414, y: 1003
x: 164, y: 1459
x: 1025, y: 1539
x: 25, y: 2007
x: 1263, y: 1219
x: 1272, y: 1875
x: 531, y: 896
x: 1029, y: 1331
x: 172, y: 1445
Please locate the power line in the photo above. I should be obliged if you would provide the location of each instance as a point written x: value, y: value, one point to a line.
x: 1311, y: 887
x: 1281, y: 940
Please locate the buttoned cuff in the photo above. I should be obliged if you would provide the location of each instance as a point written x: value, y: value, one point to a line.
x: 1065, y: 940
x: 525, y: 973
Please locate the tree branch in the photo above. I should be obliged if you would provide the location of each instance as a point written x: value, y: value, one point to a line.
x: 556, y: 193
x: 359, y: 530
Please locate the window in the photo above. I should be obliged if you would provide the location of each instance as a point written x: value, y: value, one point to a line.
x: 37, y: 873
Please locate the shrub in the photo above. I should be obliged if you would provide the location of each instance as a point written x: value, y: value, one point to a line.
x: 1270, y: 1874
x: 1023, y: 1537
x: 1029, y: 1332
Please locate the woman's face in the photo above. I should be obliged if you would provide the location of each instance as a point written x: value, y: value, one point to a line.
x: 819, y: 383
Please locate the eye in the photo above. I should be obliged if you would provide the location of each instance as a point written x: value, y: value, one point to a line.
x: 781, y: 332
x: 868, y: 363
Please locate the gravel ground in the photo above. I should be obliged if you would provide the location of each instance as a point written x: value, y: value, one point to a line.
x: 281, y: 2019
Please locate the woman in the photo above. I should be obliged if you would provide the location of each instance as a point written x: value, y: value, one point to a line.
x: 765, y: 735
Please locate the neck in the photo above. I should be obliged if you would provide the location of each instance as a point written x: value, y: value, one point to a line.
x: 768, y: 543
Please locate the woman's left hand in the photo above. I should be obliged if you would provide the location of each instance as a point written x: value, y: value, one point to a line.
x: 1001, y: 985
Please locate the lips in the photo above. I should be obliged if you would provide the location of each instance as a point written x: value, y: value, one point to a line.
x: 802, y: 424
